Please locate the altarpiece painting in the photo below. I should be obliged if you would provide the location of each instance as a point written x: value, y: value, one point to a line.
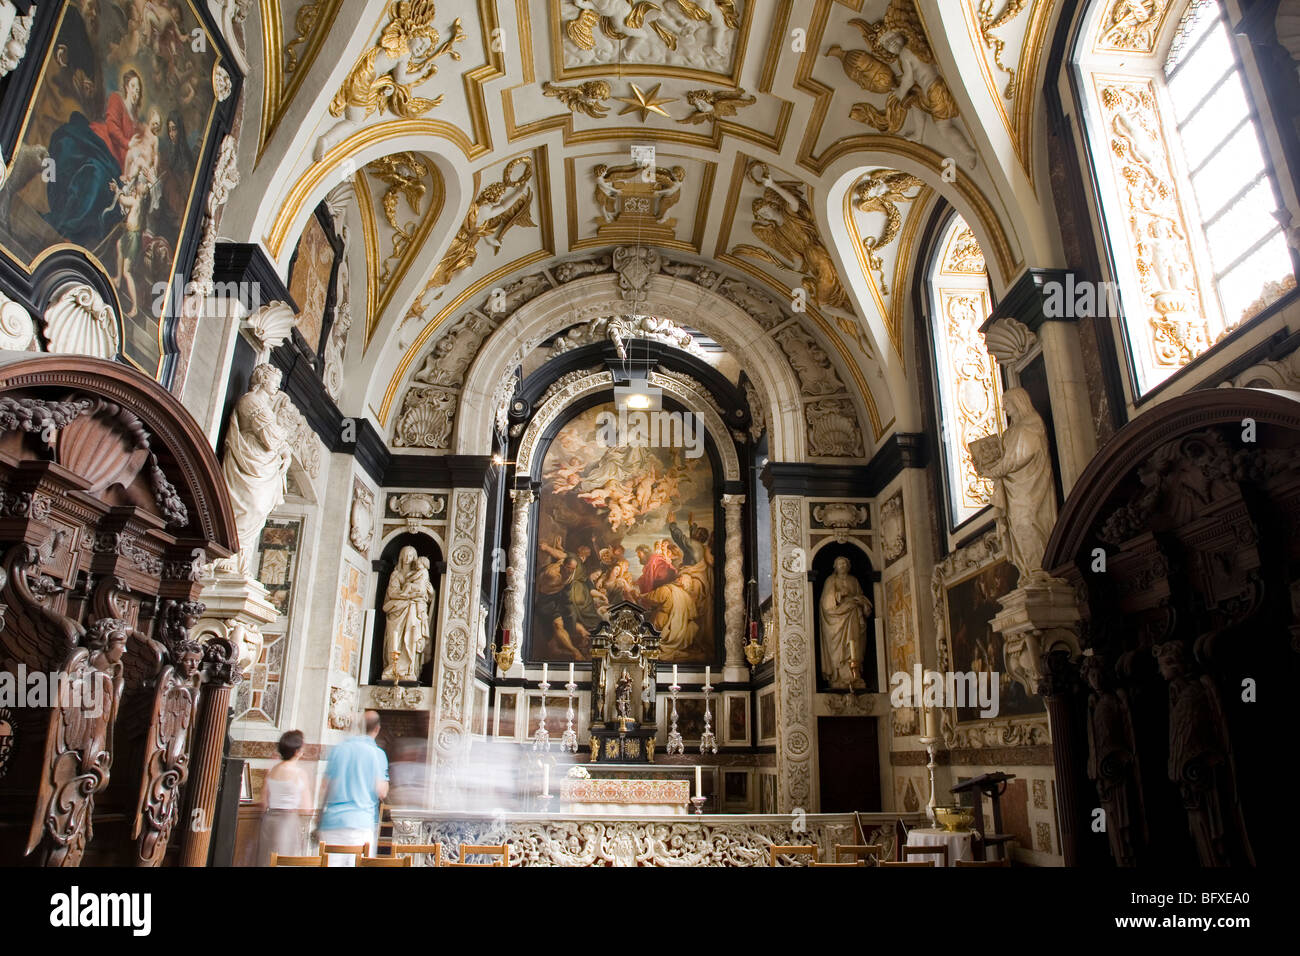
x: 623, y: 522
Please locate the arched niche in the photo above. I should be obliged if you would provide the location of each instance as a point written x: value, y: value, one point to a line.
x: 862, y: 571
x: 426, y: 546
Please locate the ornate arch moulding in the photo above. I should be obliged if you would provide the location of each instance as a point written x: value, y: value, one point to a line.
x: 556, y: 309
x: 553, y: 408
x: 854, y: 155
x: 366, y: 144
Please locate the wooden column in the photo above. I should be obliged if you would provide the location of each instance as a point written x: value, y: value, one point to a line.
x: 1058, y: 685
x: 221, y: 660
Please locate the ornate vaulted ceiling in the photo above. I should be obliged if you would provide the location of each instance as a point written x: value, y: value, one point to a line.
x: 786, y: 156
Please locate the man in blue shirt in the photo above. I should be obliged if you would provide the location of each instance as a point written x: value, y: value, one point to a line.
x: 356, y: 779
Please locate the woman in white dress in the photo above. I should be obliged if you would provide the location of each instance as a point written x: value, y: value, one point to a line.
x: 286, y: 797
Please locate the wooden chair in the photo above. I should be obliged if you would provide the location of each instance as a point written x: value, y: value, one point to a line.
x: 939, y: 851
x: 855, y: 863
x: 900, y: 838
x: 929, y: 863
x: 414, y: 850
x: 357, y: 852
x: 384, y: 861
x: 778, y: 850
x: 472, y: 849
x: 865, y: 852
x: 278, y: 859
x: 1002, y: 862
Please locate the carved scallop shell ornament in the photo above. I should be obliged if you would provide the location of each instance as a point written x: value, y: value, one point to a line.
x: 79, y: 321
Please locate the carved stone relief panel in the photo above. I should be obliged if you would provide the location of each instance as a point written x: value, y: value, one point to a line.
x: 796, y: 737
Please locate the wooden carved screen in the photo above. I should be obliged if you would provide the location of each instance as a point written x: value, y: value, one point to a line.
x: 1183, y: 540
x: 110, y: 502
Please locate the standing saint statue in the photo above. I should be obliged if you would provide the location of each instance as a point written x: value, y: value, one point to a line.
x: 623, y: 696
x: 844, y: 609
x: 406, y: 607
x: 1023, y: 492
x: 255, y: 464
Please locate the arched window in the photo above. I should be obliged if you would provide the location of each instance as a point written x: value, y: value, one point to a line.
x: 966, y: 376
x: 1184, y: 185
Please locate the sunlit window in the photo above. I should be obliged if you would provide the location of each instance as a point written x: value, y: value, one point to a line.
x: 965, y: 373
x: 1187, y: 197
x: 1230, y: 177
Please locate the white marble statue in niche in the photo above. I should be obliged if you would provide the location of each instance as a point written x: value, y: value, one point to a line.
x: 255, y: 464
x: 844, y: 609
x: 1023, y: 493
x: 406, y: 607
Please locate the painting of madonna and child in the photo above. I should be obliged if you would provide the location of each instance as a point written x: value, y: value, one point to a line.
x: 111, y: 149
x: 623, y: 522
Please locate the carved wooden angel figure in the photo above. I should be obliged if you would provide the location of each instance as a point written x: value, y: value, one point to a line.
x: 384, y: 78
x: 1113, y: 763
x: 1200, y: 762
x: 166, y: 761
x: 79, y: 743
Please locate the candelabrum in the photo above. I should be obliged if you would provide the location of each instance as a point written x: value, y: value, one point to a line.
x: 930, y: 743
x: 675, y: 745
x: 542, y: 739
x: 708, y: 743
x: 569, y: 740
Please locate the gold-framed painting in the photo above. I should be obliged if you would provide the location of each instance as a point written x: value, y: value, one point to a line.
x: 110, y: 159
x: 966, y: 588
x: 620, y: 521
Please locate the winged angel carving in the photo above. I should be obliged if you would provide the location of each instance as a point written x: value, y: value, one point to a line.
x: 711, y: 106
x: 79, y: 744
x: 384, y: 77
x: 496, y: 209
x: 900, y: 65
x: 784, y: 221
x: 693, y: 33
x: 882, y: 191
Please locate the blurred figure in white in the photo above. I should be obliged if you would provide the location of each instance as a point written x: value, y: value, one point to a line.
x: 285, y: 798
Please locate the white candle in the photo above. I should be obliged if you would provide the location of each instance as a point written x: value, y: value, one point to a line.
x: 546, y: 779
x: 699, y: 788
x: 570, y: 672
x: 931, y: 722
x: 544, y: 673
x: 708, y: 675
x: 674, y: 673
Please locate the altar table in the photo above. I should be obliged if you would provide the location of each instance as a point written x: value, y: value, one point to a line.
x: 959, y: 844
x: 623, y: 796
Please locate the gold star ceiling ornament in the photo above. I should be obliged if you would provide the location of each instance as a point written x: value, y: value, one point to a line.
x: 645, y: 103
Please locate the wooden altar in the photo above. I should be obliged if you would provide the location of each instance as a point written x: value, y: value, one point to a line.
x: 624, y: 659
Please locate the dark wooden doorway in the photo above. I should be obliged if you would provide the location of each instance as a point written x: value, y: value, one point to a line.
x: 849, y: 759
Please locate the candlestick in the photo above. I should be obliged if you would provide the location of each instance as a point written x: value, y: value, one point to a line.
x: 675, y: 744
x: 542, y: 738
x: 708, y: 741
x: 569, y: 739
x: 931, y: 722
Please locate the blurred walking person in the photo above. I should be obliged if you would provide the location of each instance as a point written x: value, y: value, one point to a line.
x: 286, y: 798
